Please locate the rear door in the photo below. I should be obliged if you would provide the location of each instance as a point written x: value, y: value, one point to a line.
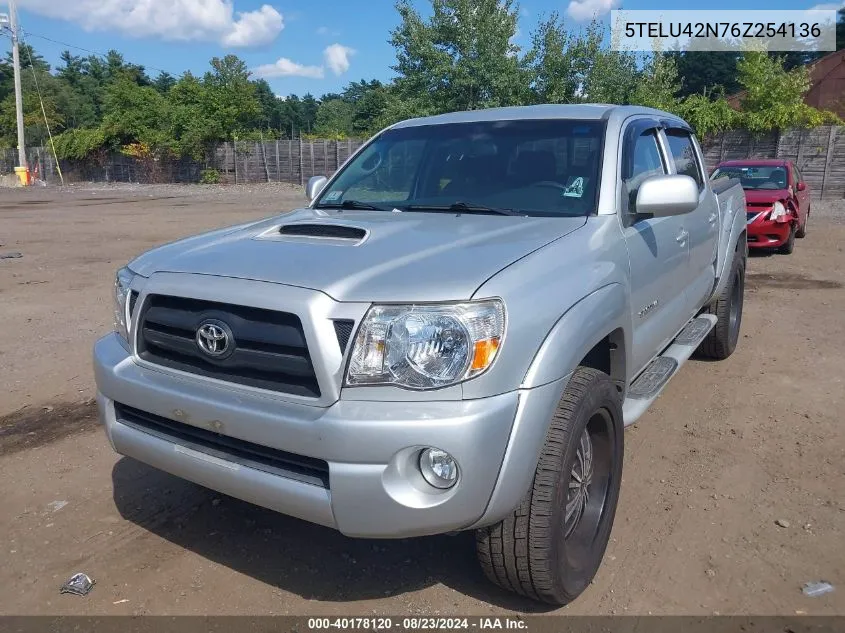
x: 658, y: 248
x: 702, y: 224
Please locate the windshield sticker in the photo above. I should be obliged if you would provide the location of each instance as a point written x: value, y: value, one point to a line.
x: 332, y: 195
x: 575, y: 189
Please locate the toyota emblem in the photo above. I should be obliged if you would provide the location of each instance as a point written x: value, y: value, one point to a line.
x: 215, y: 339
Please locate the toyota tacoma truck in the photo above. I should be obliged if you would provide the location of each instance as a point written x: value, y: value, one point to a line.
x: 452, y: 335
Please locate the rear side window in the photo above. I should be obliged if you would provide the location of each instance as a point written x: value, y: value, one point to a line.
x: 683, y: 155
x: 646, y: 161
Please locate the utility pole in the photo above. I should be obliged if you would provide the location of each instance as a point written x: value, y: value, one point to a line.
x: 16, y: 61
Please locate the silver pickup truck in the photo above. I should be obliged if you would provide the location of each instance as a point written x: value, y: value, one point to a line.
x: 451, y: 336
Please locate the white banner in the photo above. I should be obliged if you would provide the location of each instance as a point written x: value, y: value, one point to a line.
x: 809, y: 30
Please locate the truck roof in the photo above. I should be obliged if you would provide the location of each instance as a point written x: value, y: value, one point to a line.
x: 587, y: 112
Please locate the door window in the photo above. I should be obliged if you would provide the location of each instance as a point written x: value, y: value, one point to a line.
x: 684, y: 156
x: 646, y: 160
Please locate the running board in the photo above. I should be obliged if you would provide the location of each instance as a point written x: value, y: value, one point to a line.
x: 660, y: 371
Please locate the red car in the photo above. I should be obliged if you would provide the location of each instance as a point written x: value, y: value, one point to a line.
x: 777, y: 200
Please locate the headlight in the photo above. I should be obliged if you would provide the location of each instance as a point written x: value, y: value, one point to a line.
x: 778, y: 212
x: 122, y: 281
x: 426, y: 346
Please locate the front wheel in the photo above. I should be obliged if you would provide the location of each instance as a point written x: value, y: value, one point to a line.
x: 789, y: 245
x: 802, y: 232
x: 551, y: 547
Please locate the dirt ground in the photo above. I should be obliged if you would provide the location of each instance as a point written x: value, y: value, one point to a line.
x: 730, y: 449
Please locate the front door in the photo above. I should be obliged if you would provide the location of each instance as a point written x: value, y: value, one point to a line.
x: 658, y: 250
x: 702, y: 224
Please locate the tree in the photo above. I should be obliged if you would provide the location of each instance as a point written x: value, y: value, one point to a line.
x: 462, y: 57
x: 134, y: 114
x: 551, y: 63
x: 334, y: 118
x: 774, y: 96
x: 608, y: 76
x: 658, y: 83
x: 231, y: 95
x: 840, y: 29
x: 706, y: 71
x: 309, y: 108
x: 164, y: 82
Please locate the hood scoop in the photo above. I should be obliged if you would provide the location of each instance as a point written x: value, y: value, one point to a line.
x: 311, y: 232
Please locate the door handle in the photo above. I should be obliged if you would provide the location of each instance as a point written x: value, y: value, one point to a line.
x: 712, y: 218
x: 682, y: 237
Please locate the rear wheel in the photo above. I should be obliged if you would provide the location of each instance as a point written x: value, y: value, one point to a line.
x: 722, y: 339
x: 551, y: 547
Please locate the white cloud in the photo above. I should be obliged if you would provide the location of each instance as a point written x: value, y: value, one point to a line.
x: 337, y: 58
x: 283, y: 67
x: 830, y: 6
x: 582, y: 10
x: 174, y: 20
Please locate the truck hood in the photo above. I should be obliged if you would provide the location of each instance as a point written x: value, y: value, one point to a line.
x: 760, y: 197
x: 386, y: 256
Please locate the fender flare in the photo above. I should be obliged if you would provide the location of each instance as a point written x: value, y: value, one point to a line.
x: 582, y: 326
x: 738, y: 233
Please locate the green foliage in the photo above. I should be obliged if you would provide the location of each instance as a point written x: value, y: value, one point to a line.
x: 774, y: 97
x: 459, y: 55
x: 209, y: 177
x: 704, y: 72
x: 462, y: 57
x: 708, y: 116
x: 79, y: 143
x: 658, y: 83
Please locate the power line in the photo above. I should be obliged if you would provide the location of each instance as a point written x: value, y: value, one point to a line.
x: 85, y: 50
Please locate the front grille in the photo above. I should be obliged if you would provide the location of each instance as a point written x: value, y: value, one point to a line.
x: 268, y: 349
x: 306, y: 469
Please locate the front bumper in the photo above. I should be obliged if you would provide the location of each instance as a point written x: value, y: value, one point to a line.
x: 371, y: 447
x: 763, y: 233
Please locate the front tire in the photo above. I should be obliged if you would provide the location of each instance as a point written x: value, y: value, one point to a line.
x: 722, y: 339
x: 802, y: 232
x: 551, y: 547
x: 789, y: 245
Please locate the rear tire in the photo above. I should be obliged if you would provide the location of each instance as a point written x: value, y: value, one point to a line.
x: 551, y: 547
x: 789, y: 245
x: 722, y: 339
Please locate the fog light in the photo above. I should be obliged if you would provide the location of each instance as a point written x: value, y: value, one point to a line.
x: 439, y: 468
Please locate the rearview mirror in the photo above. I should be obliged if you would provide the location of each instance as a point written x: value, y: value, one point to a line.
x: 663, y: 196
x: 802, y: 186
x: 315, y: 186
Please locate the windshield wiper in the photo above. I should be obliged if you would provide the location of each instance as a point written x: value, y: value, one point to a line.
x: 461, y: 207
x: 352, y: 204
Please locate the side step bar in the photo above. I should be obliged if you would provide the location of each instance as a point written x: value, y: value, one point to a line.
x: 655, y: 377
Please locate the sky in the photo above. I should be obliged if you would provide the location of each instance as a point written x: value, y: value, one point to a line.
x: 298, y: 46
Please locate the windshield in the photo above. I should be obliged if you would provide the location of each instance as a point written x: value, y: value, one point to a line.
x: 534, y: 167
x: 755, y: 176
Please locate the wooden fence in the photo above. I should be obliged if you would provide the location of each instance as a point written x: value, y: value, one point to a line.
x: 239, y: 162
x: 818, y: 152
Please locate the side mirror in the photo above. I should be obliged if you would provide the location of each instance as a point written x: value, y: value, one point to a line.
x: 801, y: 186
x: 315, y: 186
x: 663, y: 196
